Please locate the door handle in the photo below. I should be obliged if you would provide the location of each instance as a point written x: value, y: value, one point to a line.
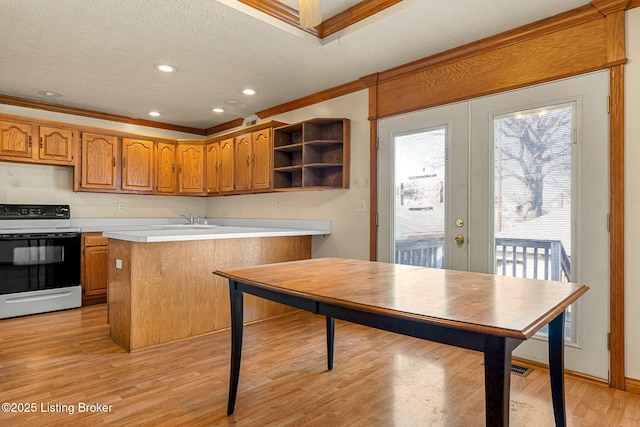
x: 459, y: 239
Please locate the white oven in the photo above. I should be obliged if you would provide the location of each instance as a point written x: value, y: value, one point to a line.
x: 39, y: 260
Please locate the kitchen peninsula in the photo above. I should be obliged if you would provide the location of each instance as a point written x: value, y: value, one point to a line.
x: 161, y: 283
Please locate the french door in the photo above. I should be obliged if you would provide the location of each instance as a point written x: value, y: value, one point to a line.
x: 513, y: 184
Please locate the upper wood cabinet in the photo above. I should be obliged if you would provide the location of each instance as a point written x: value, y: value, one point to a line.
x: 166, y: 168
x: 242, y: 159
x: 138, y: 165
x: 57, y: 144
x: 99, y: 165
x: 51, y: 145
x: 226, y: 172
x: 16, y: 139
x: 253, y: 161
x: 191, y: 169
x: 261, y: 160
x: 213, y: 167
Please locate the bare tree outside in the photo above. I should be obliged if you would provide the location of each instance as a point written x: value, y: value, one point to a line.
x: 533, y: 163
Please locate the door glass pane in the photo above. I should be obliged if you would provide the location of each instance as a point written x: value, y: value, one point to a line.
x: 419, y: 199
x: 533, y: 193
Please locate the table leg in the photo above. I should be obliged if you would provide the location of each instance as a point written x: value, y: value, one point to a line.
x: 556, y: 368
x: 331, y: 324
x: 236, y: 343
x: 497, y: 380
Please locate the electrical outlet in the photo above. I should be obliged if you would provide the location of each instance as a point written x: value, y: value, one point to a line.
x: 119, y: 264
x: 120, y: 207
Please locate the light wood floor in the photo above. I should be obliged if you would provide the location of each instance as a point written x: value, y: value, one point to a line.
x: 379, y: 379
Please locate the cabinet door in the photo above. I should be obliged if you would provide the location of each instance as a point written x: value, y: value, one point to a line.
x: 261, y: 159
x: 191, y: 169
x: 56, y: 144
x: 99, y: 161
x: 166, y: 168
x: 226, y: 165
x: 96, y: 259
x: 213, y: 161
x: 242, y: 158
x: 137, y: 165
x: 15, y: 139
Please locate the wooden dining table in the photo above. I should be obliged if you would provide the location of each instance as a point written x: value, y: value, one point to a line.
x: 483, y: 312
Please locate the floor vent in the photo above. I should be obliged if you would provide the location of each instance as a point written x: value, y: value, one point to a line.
x: 521, y: 371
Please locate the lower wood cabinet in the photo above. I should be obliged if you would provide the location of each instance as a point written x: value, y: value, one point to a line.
x: 94, y: 270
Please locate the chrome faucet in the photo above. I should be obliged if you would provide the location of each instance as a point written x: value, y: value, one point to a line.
x: 188, y: 218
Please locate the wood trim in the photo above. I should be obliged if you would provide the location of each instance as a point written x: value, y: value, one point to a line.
x: 339, y: 22
x: 606, y: 7
x: 315, y: 98
x: 354, y: 14
x: 616, y: 51
x: 372, y: 83
x: 632, y: 385
x: 616, y: 227
x: 373, y: 191
x: 224, y: 126
x: 529, y: 62
x: 245, y: 130
x: 281, y: 12
x: 568, y: 373
x: 512, y: 37
x: 633, y: 3
x: 38, y: 105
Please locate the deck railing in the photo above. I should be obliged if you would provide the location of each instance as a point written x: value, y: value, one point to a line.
x: 536, y: 259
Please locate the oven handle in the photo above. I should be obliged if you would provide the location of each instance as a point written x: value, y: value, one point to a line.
x: 38, y: 236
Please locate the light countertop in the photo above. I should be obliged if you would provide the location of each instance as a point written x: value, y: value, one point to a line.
x: 215, y: 229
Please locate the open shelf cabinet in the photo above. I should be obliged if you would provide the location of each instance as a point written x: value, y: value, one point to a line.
x: 311, y: 155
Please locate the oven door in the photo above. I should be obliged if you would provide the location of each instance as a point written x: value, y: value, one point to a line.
x: 31, y: 262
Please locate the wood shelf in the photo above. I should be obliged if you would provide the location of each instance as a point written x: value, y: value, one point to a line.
x: 313, y: 154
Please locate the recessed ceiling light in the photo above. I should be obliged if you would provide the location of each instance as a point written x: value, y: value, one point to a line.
x: 165, y: 68
x: 154, y: 113
x: 50, y: 93
x: 218, y: 110
x: 249, y: 91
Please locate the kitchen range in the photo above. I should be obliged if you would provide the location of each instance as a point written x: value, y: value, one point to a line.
x: 39, y: 260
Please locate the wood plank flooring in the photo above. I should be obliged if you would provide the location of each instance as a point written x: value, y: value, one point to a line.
x: 59, y: 361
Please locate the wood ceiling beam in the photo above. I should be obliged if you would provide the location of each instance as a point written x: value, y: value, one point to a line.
x: 345, y: 19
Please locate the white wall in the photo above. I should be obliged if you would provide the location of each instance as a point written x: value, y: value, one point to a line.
x: 350, y: 229
x: 632, y: 196
x: 26, y: 183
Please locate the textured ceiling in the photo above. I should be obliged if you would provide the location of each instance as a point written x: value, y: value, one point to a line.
x: 99, y: 54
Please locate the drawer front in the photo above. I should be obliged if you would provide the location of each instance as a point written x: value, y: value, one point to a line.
x: 95, y: 239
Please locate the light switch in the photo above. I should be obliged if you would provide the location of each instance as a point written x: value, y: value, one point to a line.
x: 119, y: 264
x: 361, y: 206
